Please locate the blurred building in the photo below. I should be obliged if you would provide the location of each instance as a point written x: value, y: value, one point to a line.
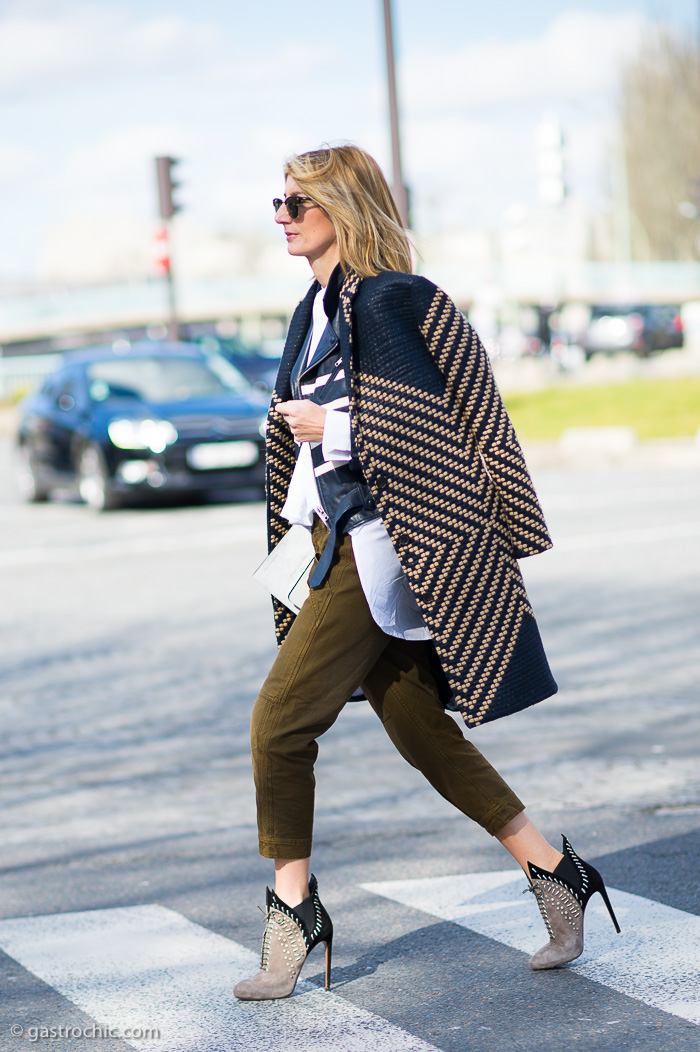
x: 101, y: 275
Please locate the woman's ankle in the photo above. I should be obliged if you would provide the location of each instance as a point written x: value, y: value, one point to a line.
x: 291, y: 897
x: 292, y: 880
x: 550, y: 862
x: 526, y: 844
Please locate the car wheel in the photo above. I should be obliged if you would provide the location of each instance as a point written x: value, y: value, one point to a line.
x: 93, y: 481
x: 29, y: 486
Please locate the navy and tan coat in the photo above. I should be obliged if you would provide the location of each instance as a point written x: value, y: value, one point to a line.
x: 440, y: 455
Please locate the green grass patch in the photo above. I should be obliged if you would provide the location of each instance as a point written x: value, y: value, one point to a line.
x: 654, y: 408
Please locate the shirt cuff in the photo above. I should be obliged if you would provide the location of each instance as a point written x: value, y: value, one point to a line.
x: 336, y: 435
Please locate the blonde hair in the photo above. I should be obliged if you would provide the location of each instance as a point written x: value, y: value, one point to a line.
x: 350, y: 187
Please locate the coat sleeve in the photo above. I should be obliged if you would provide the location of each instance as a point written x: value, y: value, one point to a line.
x: 462, y: 360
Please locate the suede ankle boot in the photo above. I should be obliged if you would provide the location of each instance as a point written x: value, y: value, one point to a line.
x: 289, y: 937
x: 562, y: 897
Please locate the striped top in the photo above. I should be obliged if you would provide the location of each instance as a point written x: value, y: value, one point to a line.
x: 384, y: 583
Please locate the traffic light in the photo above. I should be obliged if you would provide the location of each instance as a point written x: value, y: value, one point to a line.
x: 166, y: 186
x: 167, y: 207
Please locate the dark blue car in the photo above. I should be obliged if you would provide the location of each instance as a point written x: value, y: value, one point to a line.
x: 129, y: 421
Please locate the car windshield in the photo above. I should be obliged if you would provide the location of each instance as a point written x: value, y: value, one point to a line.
x: 231, y: 345
x: 164, y: 379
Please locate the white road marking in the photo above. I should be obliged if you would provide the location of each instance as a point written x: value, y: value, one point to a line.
x: 585, y: 501
x: 656, y: 959
x: 643, y: 535
x: 229, y: 535
x: 224, y: 535
x: 147, y: 967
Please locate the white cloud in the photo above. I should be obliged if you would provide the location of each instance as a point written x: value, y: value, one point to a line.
x: 167, y: 39
x: 113, y: 155
x: 286, y: 66
x: 239, y: 104
x: 117, y: 170
x: 459, y: 165
x: 577, y: 54
x: 16, y: 162
x: 470, y: 115
x: 49, y: 47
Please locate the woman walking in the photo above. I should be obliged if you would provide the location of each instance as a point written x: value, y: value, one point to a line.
x: 388, y: 439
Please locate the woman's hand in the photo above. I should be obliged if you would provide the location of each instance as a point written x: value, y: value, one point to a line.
x: 305, y: 418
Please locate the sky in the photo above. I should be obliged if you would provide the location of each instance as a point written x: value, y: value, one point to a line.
x: 90, y: 92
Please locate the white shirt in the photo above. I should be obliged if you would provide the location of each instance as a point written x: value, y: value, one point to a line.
x: 384, y: 583
x: 302, y: 496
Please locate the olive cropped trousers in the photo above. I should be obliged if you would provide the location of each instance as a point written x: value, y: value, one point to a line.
x: 334, y: 645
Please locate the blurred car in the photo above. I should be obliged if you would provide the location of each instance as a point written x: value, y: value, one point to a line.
x: 641, y: 329
x: 258, y: 365
x: 123, y: 422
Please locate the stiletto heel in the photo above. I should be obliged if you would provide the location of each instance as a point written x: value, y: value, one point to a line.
x: 289, y: 937
x: 329, y: 951
x: 604, y: 895
x: 562, y: 897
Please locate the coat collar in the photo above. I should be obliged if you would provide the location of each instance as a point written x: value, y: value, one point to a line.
x: 348, y: 292
x: 295, y: 341
x: 340, y: 284
x: 327, y: 345
x: 340, y: 293
x: 342, y: 287
x: 331, y: 296
x: 337, y: 303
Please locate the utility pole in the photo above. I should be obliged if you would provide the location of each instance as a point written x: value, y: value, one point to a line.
x: 167, y: 208
x: 399, y: 190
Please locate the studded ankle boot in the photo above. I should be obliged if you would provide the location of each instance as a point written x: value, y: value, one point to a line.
x: 289, y: 937
x: 562, y: 897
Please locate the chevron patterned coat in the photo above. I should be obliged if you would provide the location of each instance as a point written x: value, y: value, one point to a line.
x: 441, y: 457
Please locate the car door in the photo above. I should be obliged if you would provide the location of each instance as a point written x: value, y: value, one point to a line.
x: 63, y: 417
x: 38, y: 424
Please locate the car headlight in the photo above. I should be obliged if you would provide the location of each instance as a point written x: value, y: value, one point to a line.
x: 142, y: 434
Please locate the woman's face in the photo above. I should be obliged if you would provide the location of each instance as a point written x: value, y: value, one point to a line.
x: 311, y: 234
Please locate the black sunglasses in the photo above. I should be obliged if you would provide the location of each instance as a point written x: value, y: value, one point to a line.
x: 291, y: 203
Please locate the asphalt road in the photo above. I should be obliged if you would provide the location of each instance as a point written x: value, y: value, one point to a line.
x: 133, y: 645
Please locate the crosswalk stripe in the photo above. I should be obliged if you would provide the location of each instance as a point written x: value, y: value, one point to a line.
x: 222, y: 536
x: 139, y: 968
x: 642, y: 535
x: 655, y: 960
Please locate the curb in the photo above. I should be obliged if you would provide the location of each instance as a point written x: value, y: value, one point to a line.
x: 612, y: 447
